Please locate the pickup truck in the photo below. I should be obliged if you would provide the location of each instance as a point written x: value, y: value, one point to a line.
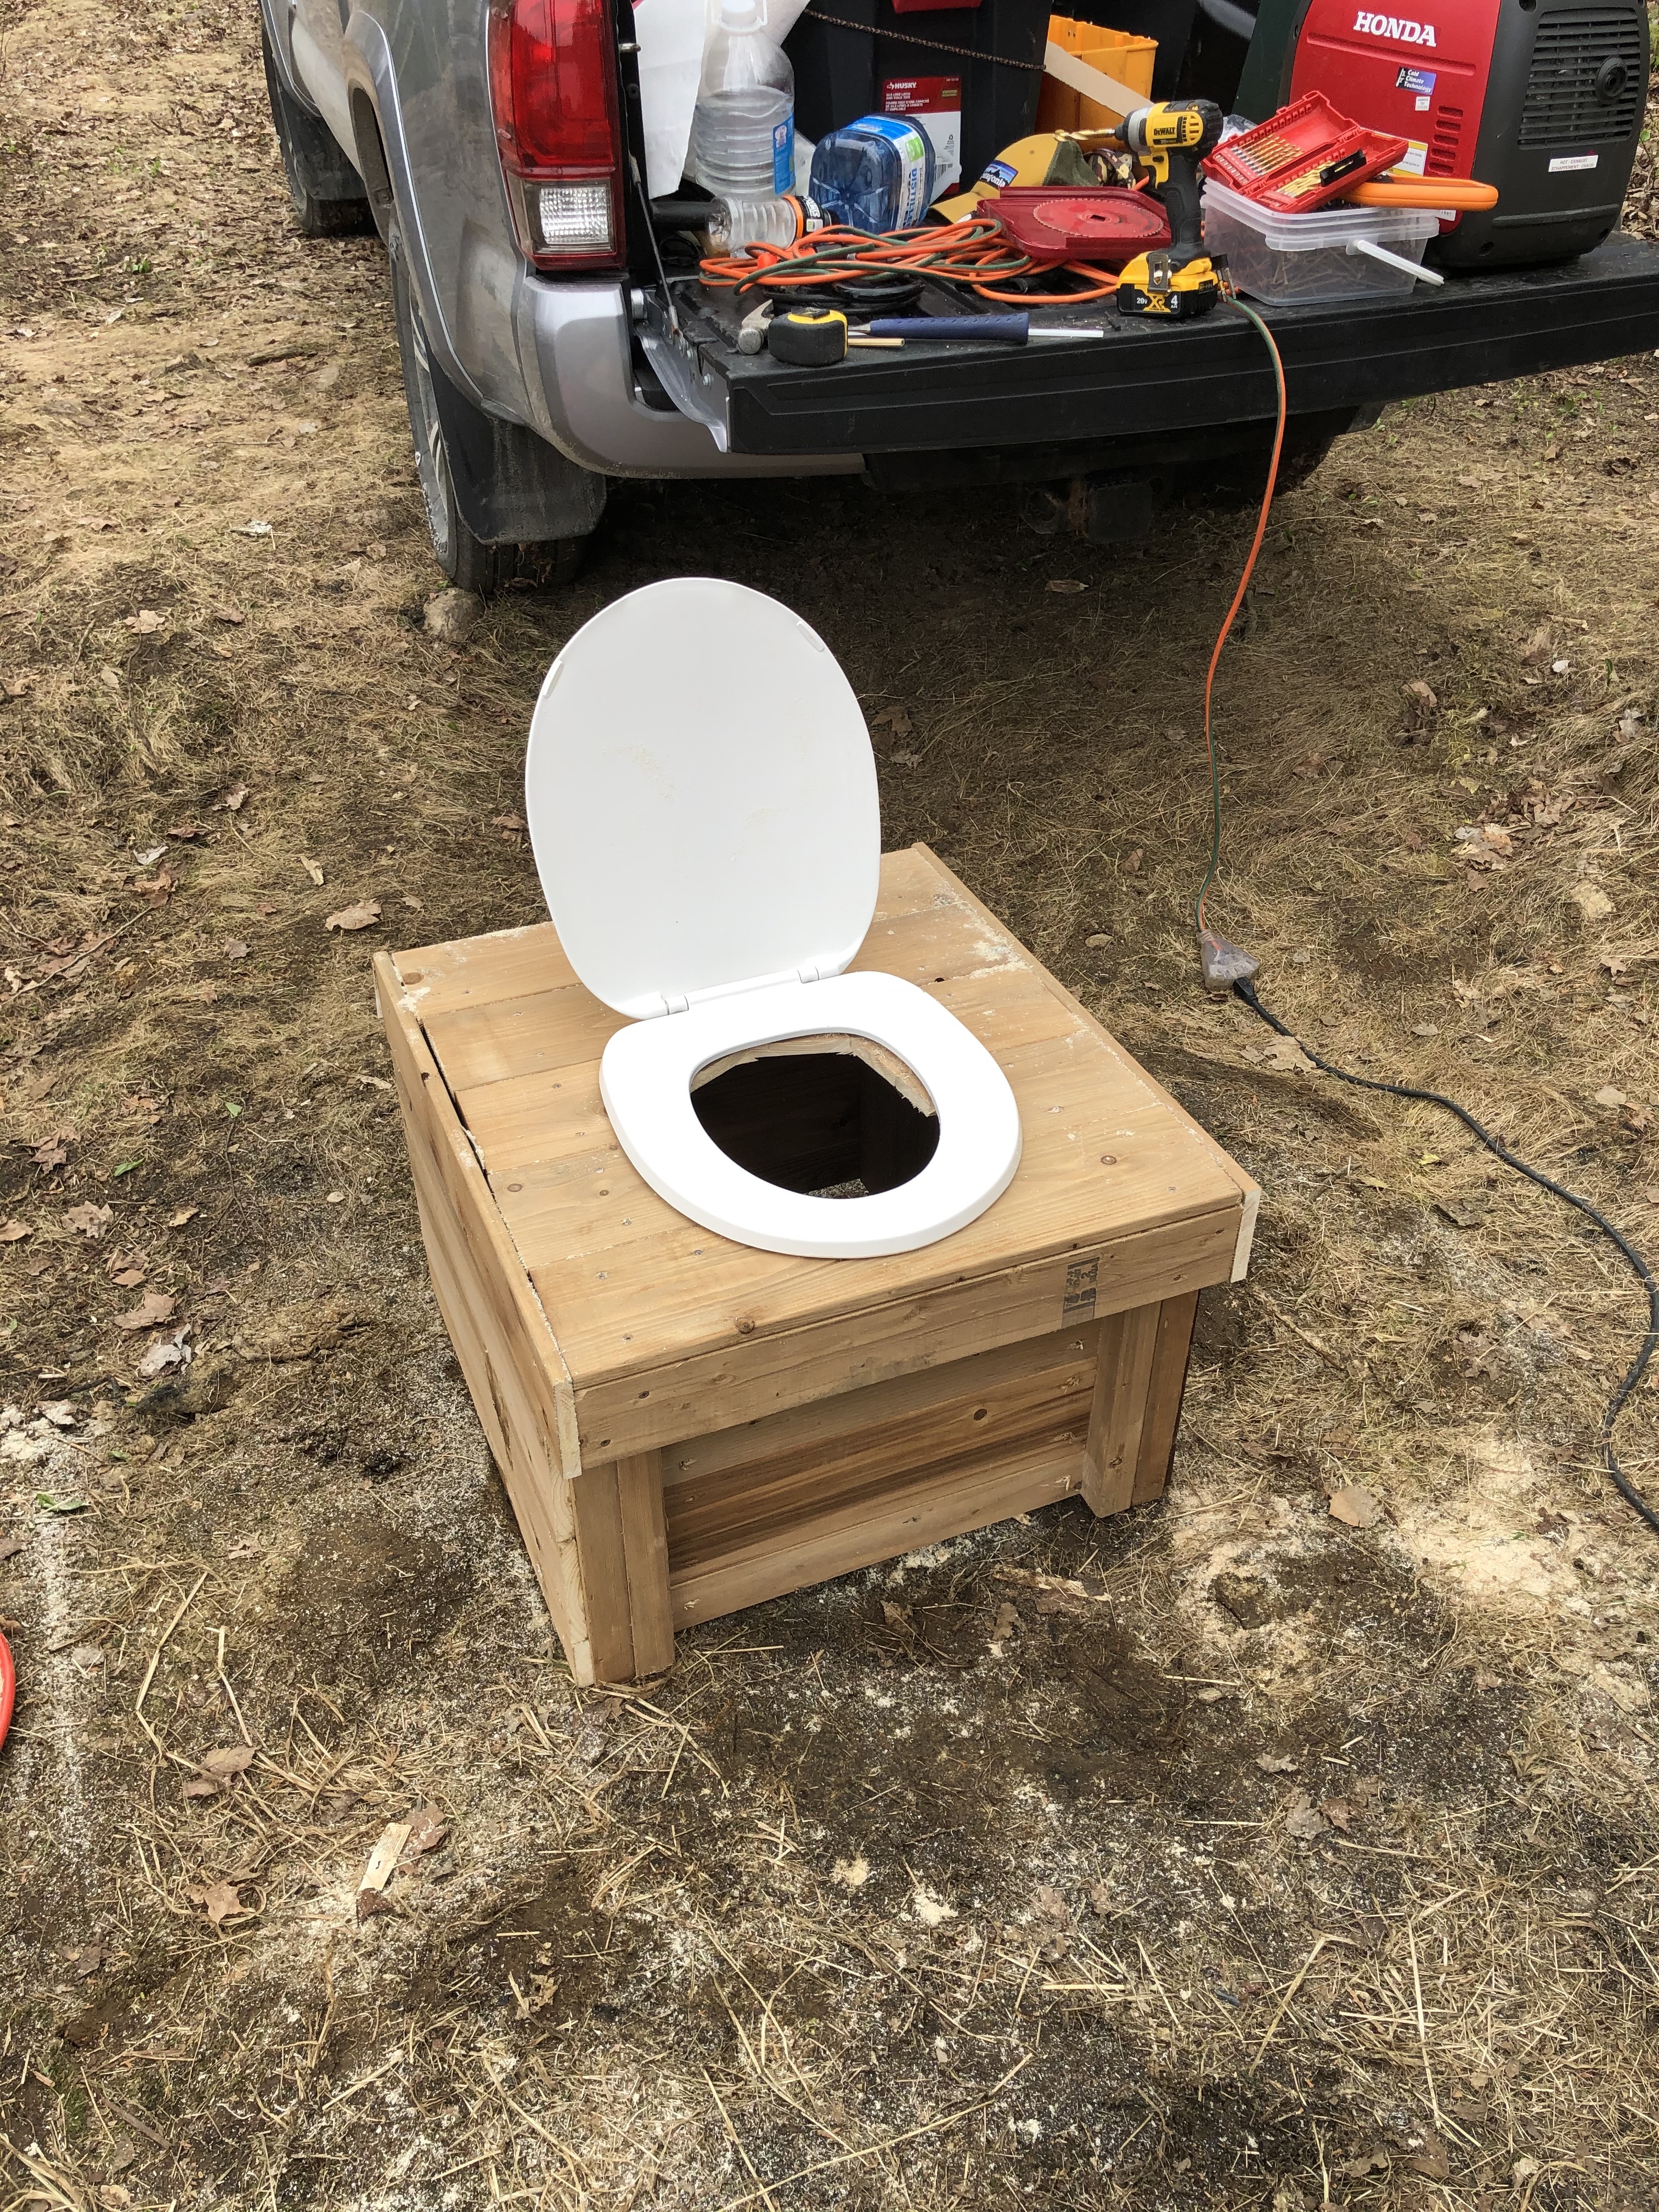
x: 539, y: 360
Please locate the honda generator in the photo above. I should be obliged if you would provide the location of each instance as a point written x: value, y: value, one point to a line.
x: 1542, y: 100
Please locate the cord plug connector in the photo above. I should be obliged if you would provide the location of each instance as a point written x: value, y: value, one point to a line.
x: 1224, y: 963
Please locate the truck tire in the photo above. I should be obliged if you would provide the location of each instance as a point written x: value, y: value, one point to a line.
x: 472, y: 563
x: 328, y: 195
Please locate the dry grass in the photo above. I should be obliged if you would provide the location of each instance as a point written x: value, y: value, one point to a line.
x: 1218, y: 1855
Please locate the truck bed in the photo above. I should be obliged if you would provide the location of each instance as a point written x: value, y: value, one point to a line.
x: 1150, y: 380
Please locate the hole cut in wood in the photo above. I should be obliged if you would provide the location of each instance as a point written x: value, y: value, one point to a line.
x: 833, y: 1115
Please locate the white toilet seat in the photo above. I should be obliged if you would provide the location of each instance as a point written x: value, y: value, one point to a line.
x: 711, y: 855
x: 646, y: 1078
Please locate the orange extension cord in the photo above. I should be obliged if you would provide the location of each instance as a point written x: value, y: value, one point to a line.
x: 973, y: 252
x: 1225, y: 631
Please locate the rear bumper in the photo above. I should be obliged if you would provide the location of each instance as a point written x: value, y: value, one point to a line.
x: 576, y: 354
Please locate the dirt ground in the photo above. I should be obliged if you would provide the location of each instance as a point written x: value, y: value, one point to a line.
x: 1218, y: 1854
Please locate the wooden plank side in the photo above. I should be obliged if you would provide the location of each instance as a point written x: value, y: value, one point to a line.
x: 751, y: 1376
x: 508, y: 1353
x: 1249, y: 1190
x: 603, y: 1558
x: 704, y: 1510
x: 536, y: 1033
x: 1123, y: 1377
x: 942, y: 1503
x: 1168, y: 1386
x: 644, y: 1550
x: 822, y: 1424
x: 470, y: 972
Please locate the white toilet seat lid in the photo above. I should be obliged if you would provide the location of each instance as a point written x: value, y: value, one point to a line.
x: 701, y: 794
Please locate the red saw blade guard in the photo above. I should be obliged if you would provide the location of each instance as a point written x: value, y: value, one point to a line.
x: 1105, y: 223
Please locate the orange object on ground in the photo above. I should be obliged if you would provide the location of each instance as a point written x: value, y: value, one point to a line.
x: 1461, y: 194
x: 1118, y: 54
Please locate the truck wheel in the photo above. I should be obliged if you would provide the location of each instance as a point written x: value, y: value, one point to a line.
x: 470, y: 564
x: 327, y: 192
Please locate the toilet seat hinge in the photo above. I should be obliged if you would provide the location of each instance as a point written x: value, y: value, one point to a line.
x: 680, y: 1002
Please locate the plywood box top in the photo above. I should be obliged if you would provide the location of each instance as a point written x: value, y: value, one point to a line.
x: 1120, y: 1196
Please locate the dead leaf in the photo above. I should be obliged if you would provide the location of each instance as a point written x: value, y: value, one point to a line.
x: 201, y: 1787
x: 1065, y: 584
x: 236, y: 950
x: 1286, y: 1053
x: 235, y: 1759
x: 1304, y: 1822
x: 95, y: 521
x: 1432, y: 2159
x: 13, y: 1232
x: 60, y: 1412
x: 233, y: 614
x: 851, y: 1874
x: 1606, y: 1095
x: 371, y: 1902
x: 152, y: 1310
x: 1354, y: 1506
x: 1499, y: 840
x: 896, y: 720
x: 167, y: 1352
x: 506, y: 822
x: 219, y: 1900
x: 1466, y: 1209
x: 53, y: 1154
x: 428, y: 1829
x: 1338, y: 1812
x: 157, y: 889
x: 88, y: 1961
x: 184, y: 832
x: 15, y: 687
x: 89, y: 1220
x: 1273, y: 1762
x: 1591, y: 901
x: 1421, y: 702
x: 89, y: 1657
x: 310, y: 869
x: 183, y: 1214
x: 363, y: 915
x: 1371, y: 2161
x: 9, y: 1547
x: 145, y: 622
x: 1007, y: 1621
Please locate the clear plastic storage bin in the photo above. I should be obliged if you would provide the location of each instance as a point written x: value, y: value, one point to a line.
x: 1336, y: 253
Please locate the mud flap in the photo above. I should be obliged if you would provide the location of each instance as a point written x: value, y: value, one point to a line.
x: 511, y: 486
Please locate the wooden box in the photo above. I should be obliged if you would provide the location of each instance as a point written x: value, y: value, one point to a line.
x: 686, y: 1425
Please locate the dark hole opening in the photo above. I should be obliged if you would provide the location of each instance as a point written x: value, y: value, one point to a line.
x: 823, y: 1122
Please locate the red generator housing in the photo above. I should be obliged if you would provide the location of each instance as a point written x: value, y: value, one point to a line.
x: 1544, y: 101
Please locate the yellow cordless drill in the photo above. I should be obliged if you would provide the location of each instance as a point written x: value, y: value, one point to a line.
x: 1169, y: 139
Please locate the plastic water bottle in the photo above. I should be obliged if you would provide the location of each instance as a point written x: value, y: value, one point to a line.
x: 776, y: 221
x: 876, y: 174
x: 743, y: 128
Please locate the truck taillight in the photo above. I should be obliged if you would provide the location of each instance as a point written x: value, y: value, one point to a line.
x: 553, y: 88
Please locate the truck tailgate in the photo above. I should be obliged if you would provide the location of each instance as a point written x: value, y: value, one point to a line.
x: 1146, y: 377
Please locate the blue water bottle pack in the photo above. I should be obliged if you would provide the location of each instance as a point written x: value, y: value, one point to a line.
x: 874, y: 175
